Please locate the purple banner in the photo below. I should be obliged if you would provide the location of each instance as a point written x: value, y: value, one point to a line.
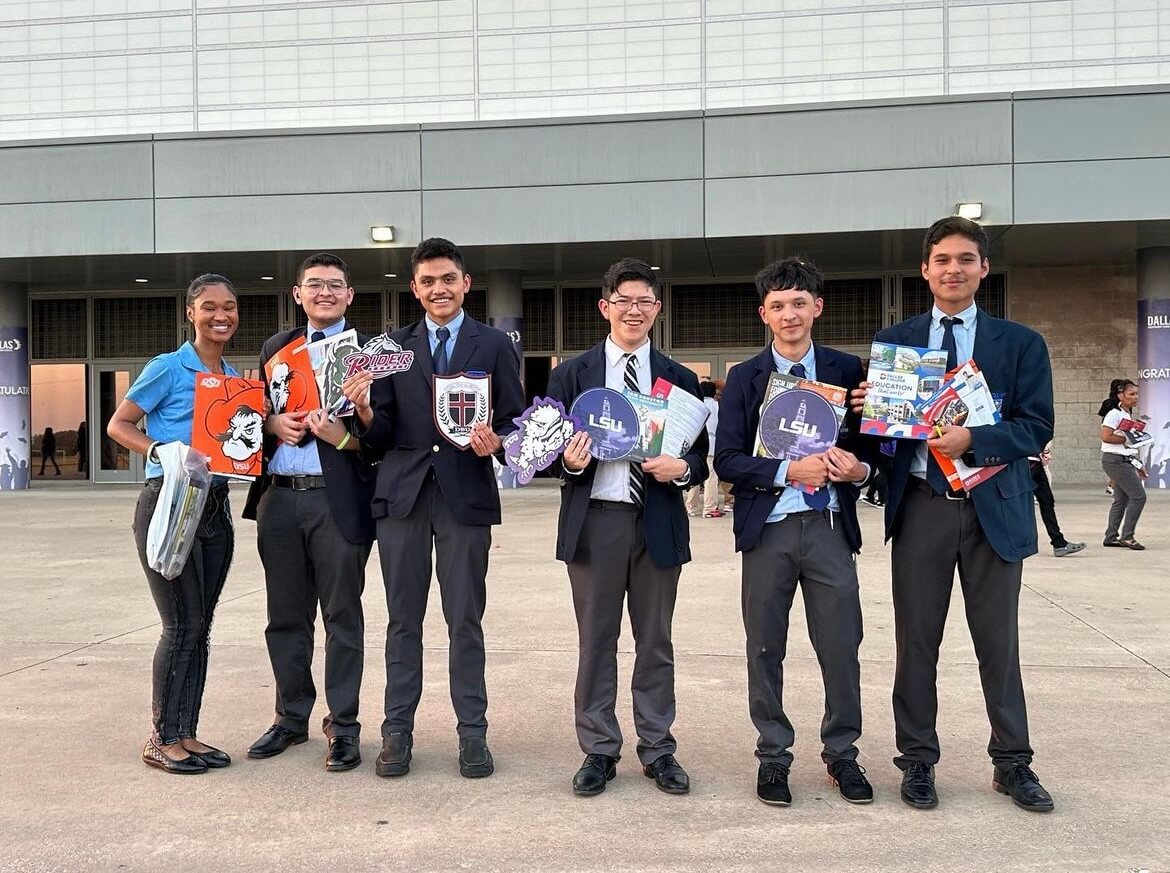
x: 15, y: 447
x: 1154, y: 378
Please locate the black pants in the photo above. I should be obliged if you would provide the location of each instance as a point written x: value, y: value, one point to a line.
x: 186, y: 605
x: 1047, y: 505
x: 879, y: 485
x: 937, y: 536
x: 50, y: 458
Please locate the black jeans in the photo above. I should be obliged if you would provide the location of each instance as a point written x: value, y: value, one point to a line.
x: 186, y: 605
x: 1047, y: 505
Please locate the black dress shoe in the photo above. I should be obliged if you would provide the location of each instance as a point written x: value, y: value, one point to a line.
x: 668, y: 775
x: 1024, y: 787
x: 344, y: 754
x: 772, y: 784
x: 394, y: 759
x: 214, y: 758
x: 155, y: 757
x: 849, y: 777
x: 595, y: 772
x: 918, y: 786
x: 475, y: 759
x: 275, y: 740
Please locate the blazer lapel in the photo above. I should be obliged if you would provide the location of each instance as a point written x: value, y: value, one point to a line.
x: 465, y: 344
x: 920, y: 331
x: 593, y: 372
x: 418, y: 343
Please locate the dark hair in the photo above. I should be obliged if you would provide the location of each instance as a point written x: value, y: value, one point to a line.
x: 954, y: 225
x: 434, y: 248
x: 707, y: 388
x: 324, y: 259
x: 200, y: 282
x: 1116, y: 387
x: 628, y: 270
x: 795, y: 272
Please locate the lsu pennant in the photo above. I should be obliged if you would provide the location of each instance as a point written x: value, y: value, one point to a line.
x: 461, y: 402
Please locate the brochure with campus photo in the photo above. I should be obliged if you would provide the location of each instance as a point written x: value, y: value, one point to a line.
x: 798, y: 418
x: 901, y: 379
x: 686, y: 417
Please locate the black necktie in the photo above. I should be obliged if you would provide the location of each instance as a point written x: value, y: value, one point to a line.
x: 934, y: 475
x: 317, y: 336
x: 637, y: 477
x: 948, y: 343
x: 440, y: 359
x: 819, y: 499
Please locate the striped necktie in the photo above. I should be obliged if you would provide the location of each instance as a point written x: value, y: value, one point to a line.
x: 637, y: 477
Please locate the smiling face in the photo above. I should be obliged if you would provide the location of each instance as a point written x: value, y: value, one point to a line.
x: 440, y: 286
x: 324, y: 295
x: 953, y: 271
x: 630, y: 311
x: 789, y: 314
x: 214, y: 314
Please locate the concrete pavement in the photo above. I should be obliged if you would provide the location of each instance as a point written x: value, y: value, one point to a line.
x: 78, y: 628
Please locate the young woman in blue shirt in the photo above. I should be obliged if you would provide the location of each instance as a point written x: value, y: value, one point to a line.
x: 164, y: 394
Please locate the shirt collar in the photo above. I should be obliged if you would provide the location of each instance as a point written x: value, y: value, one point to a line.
x: 968, y: 315
x: 784, y: 365
x: 453, y: 325
x: 190, y: 359
x: 330, y: 330
x: 614, y: 353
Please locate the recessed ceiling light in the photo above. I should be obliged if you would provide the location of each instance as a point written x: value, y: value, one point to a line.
x: 390, y: 275
x: 142, y: 281
x: 267, y: 278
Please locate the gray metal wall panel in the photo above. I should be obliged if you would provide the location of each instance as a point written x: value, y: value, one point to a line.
x: 100, y: 227
x: 870, y: 138
x: 584, y: 213
x: 287, y: 164
x: 343, y: 221
x: 1132, y: 190
x: 83, y: 171
x: 570, y: 154
x: 837, y: 202
x: 1086, y: 128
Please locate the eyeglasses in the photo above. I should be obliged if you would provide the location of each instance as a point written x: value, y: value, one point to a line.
x: 624, y: 304
x: 316, y: 286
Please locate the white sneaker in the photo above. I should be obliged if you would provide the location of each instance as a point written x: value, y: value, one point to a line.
x: 1109, y: 490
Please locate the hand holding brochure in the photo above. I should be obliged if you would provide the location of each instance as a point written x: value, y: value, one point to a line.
x: 329, y: 368
x: 901, y: 378
x: 651, y: 413
x: 686, y: 417
x: 965, y: 401
x: 798, y: 418
x: 1134, y: 431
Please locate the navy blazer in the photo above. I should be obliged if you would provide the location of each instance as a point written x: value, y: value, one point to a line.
x: 404, y: 435
x: 1015, y: 361
x: 753, y: 479
x: 664, y: 515
x: 349, y: 478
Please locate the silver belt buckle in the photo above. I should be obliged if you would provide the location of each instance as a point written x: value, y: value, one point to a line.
x: 951, y: 495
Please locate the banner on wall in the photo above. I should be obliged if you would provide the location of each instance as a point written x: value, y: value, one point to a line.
x: 15, y: 438
x: 1154, y: 380
x: 513, y: 326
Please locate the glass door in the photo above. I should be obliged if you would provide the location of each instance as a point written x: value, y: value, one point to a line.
x: 110, y: 461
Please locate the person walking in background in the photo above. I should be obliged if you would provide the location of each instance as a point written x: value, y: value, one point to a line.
x: 1107, y: 404
x: 165, y: 394
x: 1038, y: 465
x: 1121, y: 464
x: 712, y: 501
x: 82, y: 448
x: 49, y: 450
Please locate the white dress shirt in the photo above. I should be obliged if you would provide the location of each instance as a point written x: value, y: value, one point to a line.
x: 612, y: 480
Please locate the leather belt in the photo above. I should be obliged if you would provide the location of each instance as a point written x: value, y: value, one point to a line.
x: 299, y: 483
x: 613, y: 505
x: 924, y: 486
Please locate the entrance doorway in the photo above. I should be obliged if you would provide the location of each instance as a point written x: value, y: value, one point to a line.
x: 110, y: 461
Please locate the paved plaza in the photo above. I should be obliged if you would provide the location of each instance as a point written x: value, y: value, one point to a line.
x: 78, y: 629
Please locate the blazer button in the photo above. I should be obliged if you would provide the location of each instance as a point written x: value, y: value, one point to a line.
x: 434, y: 448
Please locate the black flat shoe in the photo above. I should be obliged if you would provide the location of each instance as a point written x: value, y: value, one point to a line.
x: 155, y: 757
x: 918, y: 786
x: 668, y: 775
x: 595, y: 772
x: 475, y: 759
x: 214, y: 758
x: 344, y: 754
x: 1023, y: 786
x: 394, y: 759
x: 275, y: 740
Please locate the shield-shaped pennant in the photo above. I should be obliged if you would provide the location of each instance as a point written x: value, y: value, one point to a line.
x: 461, y: 402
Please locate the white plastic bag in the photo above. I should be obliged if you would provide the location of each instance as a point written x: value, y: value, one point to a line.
x: 185, y: 486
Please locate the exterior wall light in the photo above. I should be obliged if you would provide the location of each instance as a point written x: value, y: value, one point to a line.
x: 969, y: 211
x: 382, y: 233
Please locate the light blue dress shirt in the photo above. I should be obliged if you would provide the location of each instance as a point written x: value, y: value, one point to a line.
x: 964, y: 351
x: 792, y: 499
x: 165, y: 391
x: 453, y: 325
x: 302, y: 460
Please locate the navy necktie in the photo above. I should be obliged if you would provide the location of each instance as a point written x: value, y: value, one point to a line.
x: 317, y: 336
x: 934, y: 475
x: 819, y: 499
x: 440, y: 358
